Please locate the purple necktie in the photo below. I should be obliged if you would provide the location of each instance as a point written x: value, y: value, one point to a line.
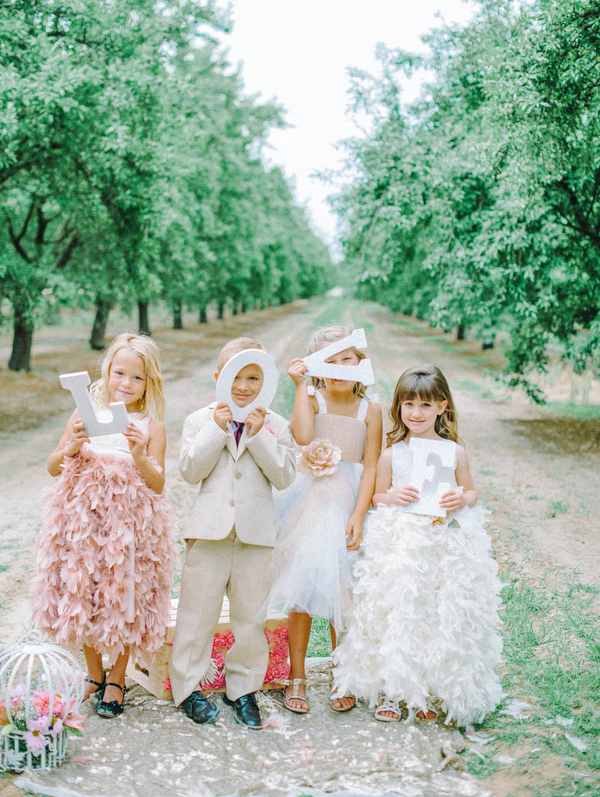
x: 238, y: 428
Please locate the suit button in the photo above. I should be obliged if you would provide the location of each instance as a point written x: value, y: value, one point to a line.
x: 231, y: 502
x: 238, y: 475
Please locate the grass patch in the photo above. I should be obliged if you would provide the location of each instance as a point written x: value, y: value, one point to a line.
x: 581, y: 412
x: 557, y: 508
x: 409, y: 326
x: 319, y: 643
x: 551, y: 663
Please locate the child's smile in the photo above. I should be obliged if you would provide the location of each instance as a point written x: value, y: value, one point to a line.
x: 419, y: 416
x: 127, y: 380
x: 247, y: 385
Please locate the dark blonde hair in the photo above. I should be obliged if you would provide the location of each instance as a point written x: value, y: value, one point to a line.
x: 323, y: 337
x: 153, y: 400
x: 426, y: 383
x: 235, y: 346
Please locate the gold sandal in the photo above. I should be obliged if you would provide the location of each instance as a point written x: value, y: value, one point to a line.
x: 295, y: 683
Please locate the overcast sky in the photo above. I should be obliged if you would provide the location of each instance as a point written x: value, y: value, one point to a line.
x: 298, y: 52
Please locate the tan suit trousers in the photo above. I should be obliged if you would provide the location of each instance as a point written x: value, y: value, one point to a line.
x: 211, y: 569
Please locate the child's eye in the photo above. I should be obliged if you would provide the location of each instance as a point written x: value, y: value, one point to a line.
x: 141, y: 378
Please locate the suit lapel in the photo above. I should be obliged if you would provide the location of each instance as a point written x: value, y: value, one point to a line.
x: 242, y: 446
x: 233, y: 450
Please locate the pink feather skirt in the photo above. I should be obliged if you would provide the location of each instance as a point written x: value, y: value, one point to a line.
x: 105, y: 559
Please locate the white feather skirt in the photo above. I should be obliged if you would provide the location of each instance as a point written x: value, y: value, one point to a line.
x: 424, y: 619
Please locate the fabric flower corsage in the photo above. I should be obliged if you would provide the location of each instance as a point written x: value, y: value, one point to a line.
x: 319, y: 458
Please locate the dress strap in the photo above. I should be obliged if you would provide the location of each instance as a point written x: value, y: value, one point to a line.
x: 362, y: 409
x: 321, y: 403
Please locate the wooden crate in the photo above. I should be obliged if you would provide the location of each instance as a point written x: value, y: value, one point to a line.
x: 155, y: 678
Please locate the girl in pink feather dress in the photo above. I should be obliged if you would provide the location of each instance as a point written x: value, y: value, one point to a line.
x: 105, y: 555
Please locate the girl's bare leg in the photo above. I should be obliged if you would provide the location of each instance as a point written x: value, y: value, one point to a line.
x: 95, y: 671
x: 299, y: 625
x: 340, y: 702
x: 116, y: 676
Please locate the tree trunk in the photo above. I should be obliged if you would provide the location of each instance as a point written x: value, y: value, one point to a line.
x: 221, y: 310
x: 202, y: 316
x: 177, y: 315
x: 461, y: 331
x: 244, y: 308
x: 20, y: 358
x: 487, y: 344
x: 103, y: 308
x: 234, y: 309
x: 143, y: 323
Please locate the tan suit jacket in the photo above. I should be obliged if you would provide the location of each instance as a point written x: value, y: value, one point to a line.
x: 235, y: 481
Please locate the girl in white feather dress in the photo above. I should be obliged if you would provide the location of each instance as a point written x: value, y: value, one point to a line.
x: 424, y: 620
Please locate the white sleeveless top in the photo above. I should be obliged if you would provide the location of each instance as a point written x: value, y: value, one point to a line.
x: 402, y: 461
x: 116, y: 445
x: 348, y: 434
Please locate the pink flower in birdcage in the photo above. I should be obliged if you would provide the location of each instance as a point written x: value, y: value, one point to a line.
x: 17, y: 694
x: 41, y: 701
x: 74, y: 721
x: 57, y: 726
x: 35, y: 738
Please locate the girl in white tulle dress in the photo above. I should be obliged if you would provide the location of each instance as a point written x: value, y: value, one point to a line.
x: 424, y: 620
x: 320, y: 517
x: 105, y: 555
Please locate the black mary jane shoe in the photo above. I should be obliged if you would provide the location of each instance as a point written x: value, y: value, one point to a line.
x: 245, y: 711
x: 200, y: 709
x: 113, y: 708
x: 99, y: 692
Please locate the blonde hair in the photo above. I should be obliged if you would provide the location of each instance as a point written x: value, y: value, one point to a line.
x: 323, y: 337
x: 235, y: 346
x: 153, y: 400
x: 426, y: 383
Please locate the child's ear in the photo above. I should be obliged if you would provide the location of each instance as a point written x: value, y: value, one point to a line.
x: 217, y: 375
x: 443, y: 406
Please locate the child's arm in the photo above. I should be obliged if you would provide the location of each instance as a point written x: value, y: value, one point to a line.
x: 354, y: 529
x: 202, y: 441
x: 69, y: 444
x: 274, y: 455
x: 453, y: 499
x: 402, y: 496
x: 144, y: 451
x: 303, y: 415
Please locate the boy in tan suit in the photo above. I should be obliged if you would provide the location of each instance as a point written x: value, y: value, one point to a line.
x: 230, y: 536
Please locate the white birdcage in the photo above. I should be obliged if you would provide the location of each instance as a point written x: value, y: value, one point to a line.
x: 41, y: 688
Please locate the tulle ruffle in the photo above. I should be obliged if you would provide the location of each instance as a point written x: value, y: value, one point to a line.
x: 98, y: 508
x: 424, y: 618
x: 311, y: 567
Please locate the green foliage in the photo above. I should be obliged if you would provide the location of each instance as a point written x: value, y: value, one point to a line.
x: 479, y: 206
x: 130, y: 165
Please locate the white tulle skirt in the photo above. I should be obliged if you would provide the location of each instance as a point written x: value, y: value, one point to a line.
x: 424, y: 618
x: 311, y: 568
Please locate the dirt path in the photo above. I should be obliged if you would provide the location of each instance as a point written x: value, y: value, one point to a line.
x: 540, y: 483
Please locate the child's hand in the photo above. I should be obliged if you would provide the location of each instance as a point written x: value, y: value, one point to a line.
x: 79, y: 436
x: 137, y: 440
x: 255, y: 420
x: 452, y: 500
x: 223, y: 415
x: 403, y: 495
x: 296, y: 371
x: 354, y: 531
